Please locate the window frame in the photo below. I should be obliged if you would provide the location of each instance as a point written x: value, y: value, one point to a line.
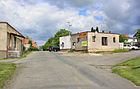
x: 106, y: 41
x: 93, y: 38
x: 114, y: 39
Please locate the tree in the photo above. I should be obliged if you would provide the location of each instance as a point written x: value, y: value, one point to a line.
x: 92, y: 29
x: 138, y: 37
x: 97, y: 30
x: 138, y: 34
x: 122, y: 38
x: 27, y: 37
x: 30, y: 42
x: 54, y: 41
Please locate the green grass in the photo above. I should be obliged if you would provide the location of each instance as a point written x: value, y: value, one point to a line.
x: 132, y: 73
x: 6, y: 71
x: 22, y: 56
x: 114, y: 51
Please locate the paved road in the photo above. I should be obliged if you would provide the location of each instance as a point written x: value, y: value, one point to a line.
x: 44, y: 70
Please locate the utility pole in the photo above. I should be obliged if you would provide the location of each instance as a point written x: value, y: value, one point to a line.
x: 69, y: 25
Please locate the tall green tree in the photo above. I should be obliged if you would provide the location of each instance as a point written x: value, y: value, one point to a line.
x: 138, y: 37
x: 27, y: 37
x: 54, y: 41
x: 30, y: 42
x: 138, y: 34
x: 122, y: 38
x: 92, y: 29
x: 97, y: 30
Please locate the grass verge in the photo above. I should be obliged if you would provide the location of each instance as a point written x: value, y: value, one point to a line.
x: 6, y: 71
x: 22, y: 56
x: 114, y: 51
x: 132, y: 72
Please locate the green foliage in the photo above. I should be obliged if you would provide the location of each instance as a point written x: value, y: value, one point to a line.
x: 138, y: 34
x: 6, y: 71
x: 97, y: 30
x: 127, y: 43
x: 30, y: 42
x: 23, y: 48
x: 122, y: 38
x: 92, y: 29
x: 70, y: 51
x: 33, y: 49
x: 132, y: 70
x: 27, y: 37
x: 54, y: 41
x: 114, y: 51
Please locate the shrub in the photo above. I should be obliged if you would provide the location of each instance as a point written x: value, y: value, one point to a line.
x: 70, y: 51
x: 33, y: 49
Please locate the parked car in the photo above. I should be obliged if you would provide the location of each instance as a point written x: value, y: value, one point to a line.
x: 54, y: 48
x: 130, y: 47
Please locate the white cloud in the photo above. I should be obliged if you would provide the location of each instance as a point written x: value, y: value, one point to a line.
x: 41, y: 19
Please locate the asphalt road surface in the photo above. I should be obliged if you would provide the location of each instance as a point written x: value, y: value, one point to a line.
x: 48, y: 70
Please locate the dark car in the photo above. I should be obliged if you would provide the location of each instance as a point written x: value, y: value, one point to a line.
x: 54, y: 48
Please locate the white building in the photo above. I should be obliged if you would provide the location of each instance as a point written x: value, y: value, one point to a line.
x: 131, y: 40
x: 65, y: 42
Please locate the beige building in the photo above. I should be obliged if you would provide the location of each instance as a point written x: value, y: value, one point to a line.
x: 10, y: 41
x: 95, y: 41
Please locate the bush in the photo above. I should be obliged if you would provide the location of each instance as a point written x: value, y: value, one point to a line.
x: 33, y: 49
x: 70, y: 51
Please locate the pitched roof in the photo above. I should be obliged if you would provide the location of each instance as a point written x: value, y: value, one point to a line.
x: 127, y: 36
x: 26, y: 41
x: 12, y: 28
x: 135, y: 34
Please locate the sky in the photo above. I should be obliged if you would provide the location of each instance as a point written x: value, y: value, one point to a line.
x: 41, y: 19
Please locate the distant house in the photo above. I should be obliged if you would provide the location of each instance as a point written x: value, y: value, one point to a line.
x: 138, y: 39
x: 95, y: 41
x: 90, y: 41
x: 25, y: 42
x: 10, y: 41
x: 131, y: 40
x: 65, y: 42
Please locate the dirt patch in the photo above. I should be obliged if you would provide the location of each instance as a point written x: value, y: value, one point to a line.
x: 78, y: 54
x: 104, y: 67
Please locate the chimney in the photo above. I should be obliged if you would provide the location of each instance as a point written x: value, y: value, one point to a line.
x: 103, y: 31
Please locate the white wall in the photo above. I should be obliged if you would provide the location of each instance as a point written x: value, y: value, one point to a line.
x: 131, y: 40
x: 67, y: 42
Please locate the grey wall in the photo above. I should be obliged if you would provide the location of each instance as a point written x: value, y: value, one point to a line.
x: 3, y: 40
x: 97, y: 45
x: 78, y: 45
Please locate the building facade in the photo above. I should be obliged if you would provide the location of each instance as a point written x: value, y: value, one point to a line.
x: 131, y: 40
x: 65, y: 42
x: 94, y: 41
x: 10, y: 41
x: 26, y: 44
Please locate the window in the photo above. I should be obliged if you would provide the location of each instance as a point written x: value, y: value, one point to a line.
x: 8, y: 42
x: 93, y: 38
x: 73, y: 44
x: 104, y: 41
x: 62, y: 44
x: 14, y: 42
x: 78, y: 40
x: 114, y: 39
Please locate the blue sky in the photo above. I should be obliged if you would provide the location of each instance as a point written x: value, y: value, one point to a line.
x: 84, y: 12
x: 41, y: 19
